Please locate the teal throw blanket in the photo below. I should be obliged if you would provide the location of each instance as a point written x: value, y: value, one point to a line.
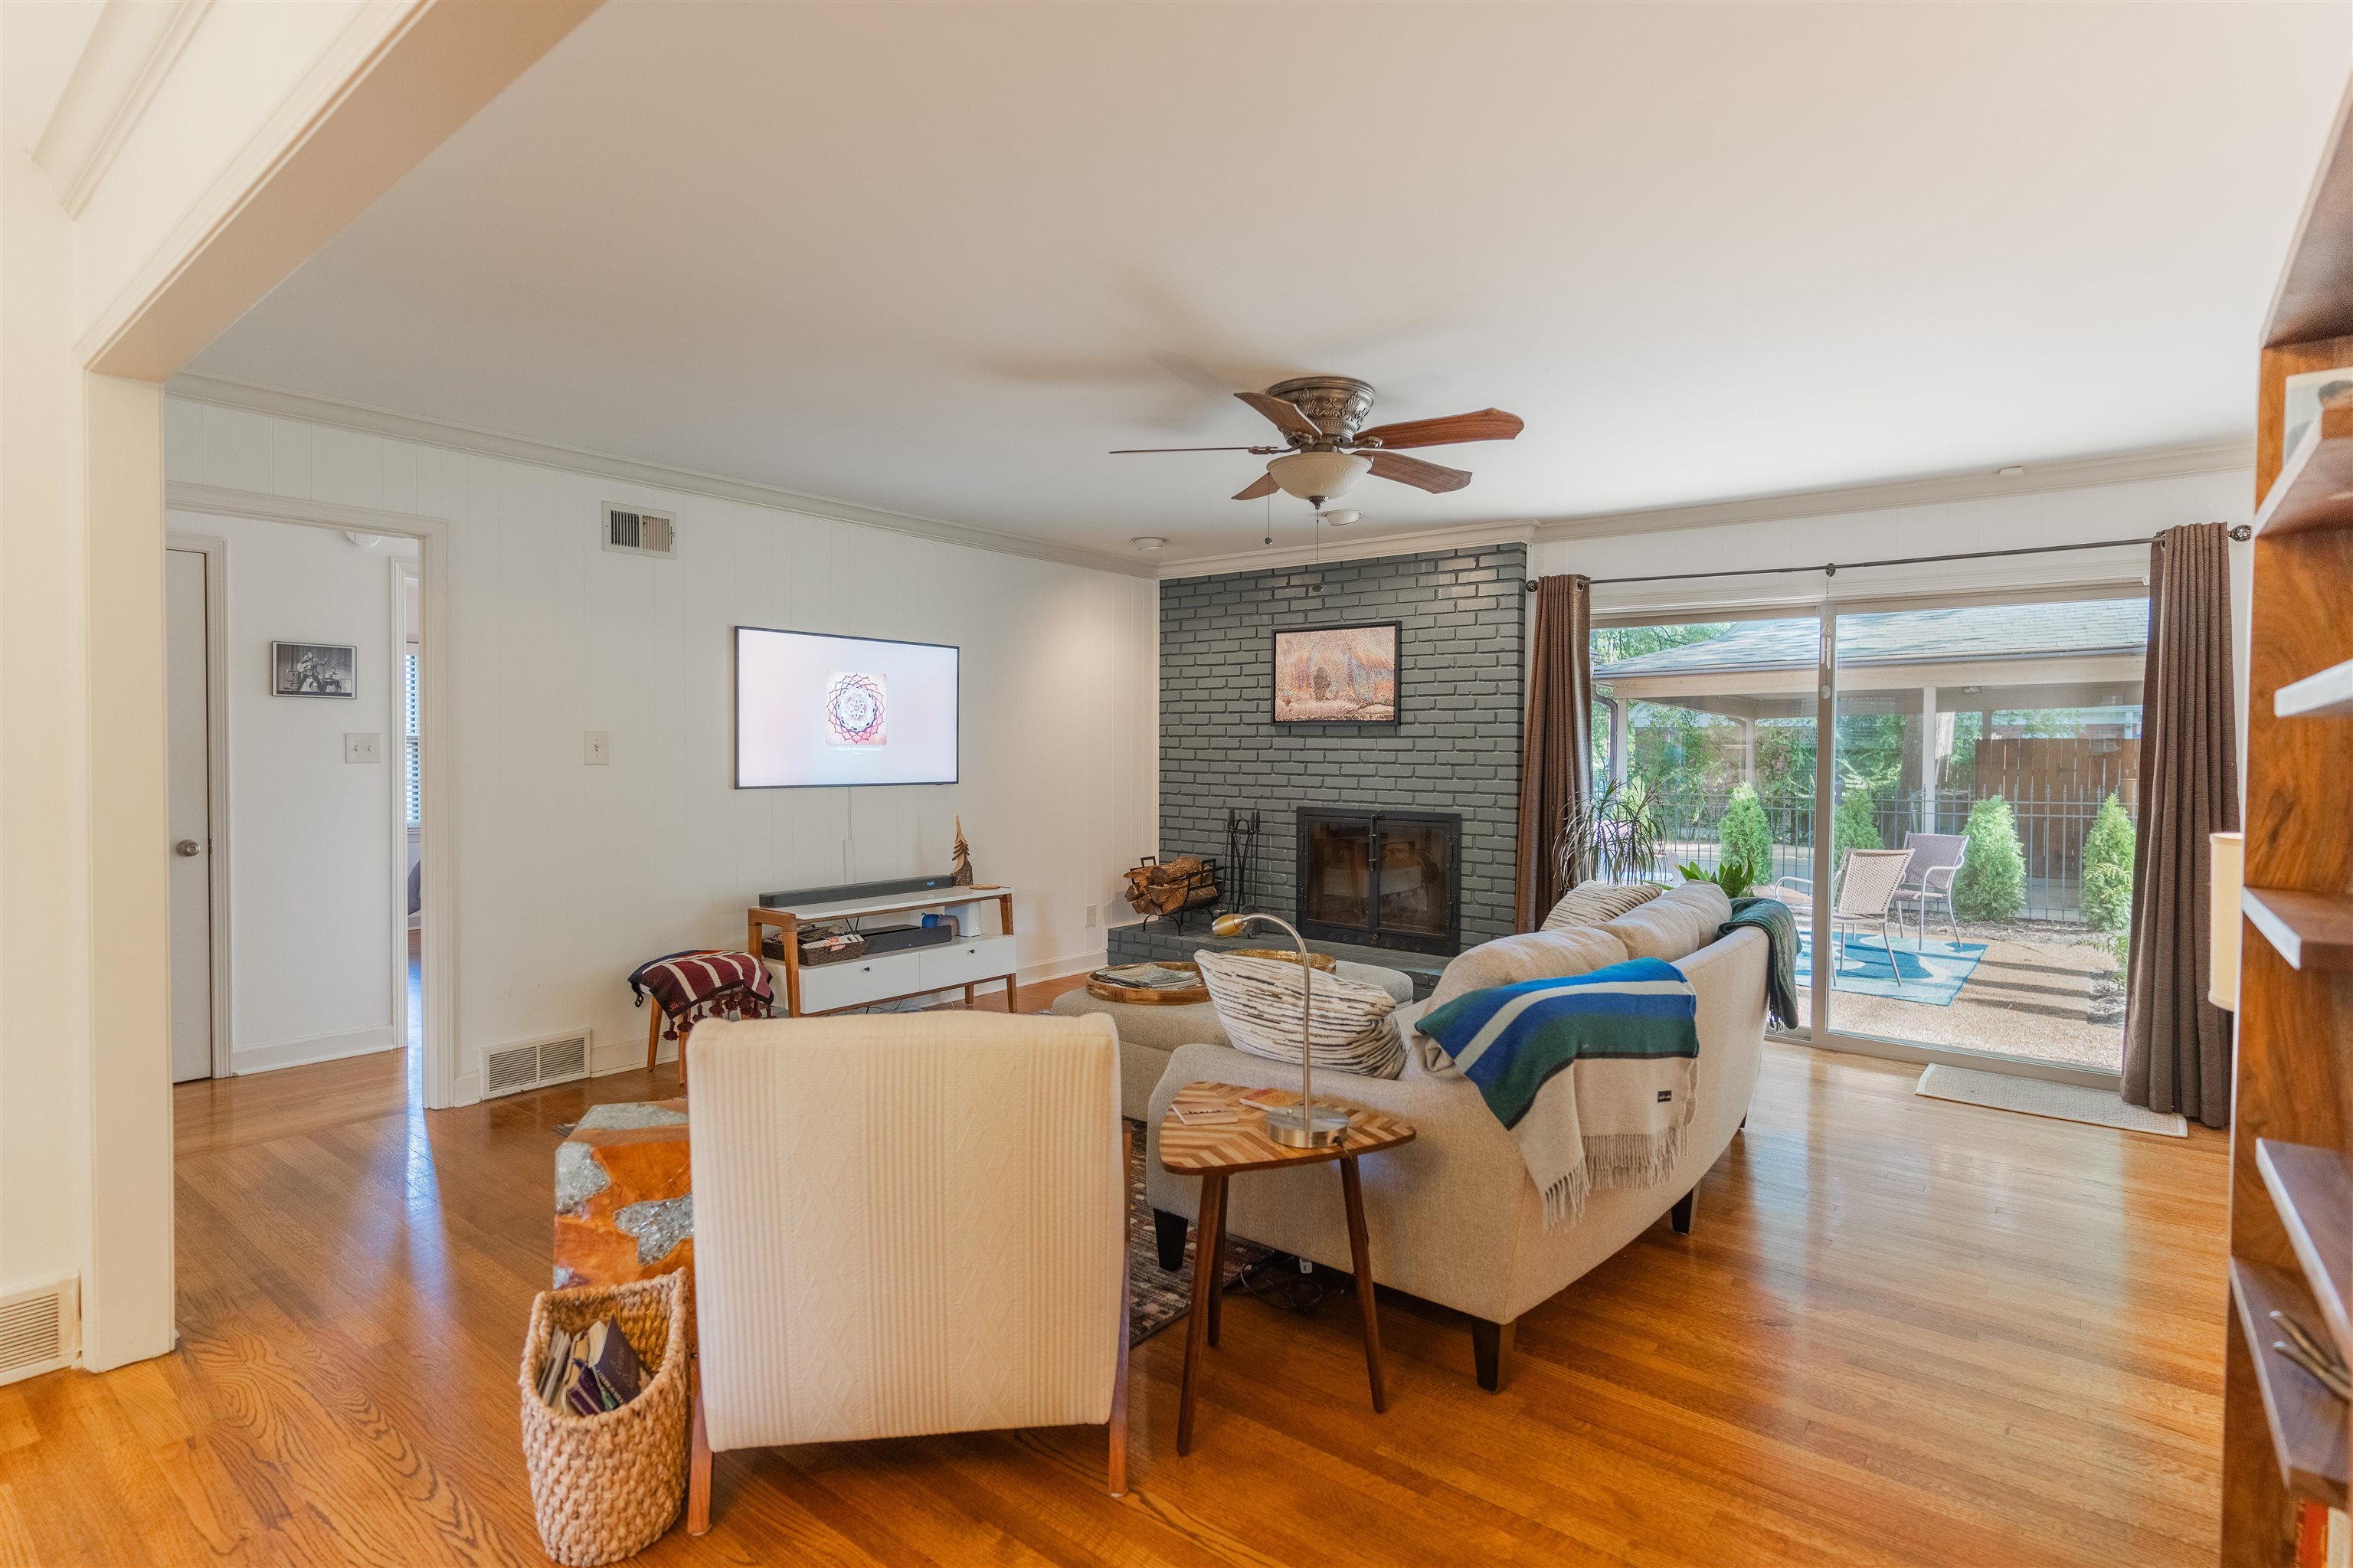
x: 1773, y: 917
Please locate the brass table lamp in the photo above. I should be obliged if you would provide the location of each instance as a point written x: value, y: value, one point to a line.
x: 1308, y: 1125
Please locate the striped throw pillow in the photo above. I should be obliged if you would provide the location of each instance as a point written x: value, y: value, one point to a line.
x: 1594, y: 903
x: 1258, y: 1001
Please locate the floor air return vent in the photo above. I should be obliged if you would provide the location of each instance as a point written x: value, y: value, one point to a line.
x: 534, y: 1064
x: 41, y: 1330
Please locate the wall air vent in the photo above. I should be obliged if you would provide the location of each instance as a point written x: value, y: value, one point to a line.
x: 41, y: 1330
x: 534, y: 1064
x: 632, y: 531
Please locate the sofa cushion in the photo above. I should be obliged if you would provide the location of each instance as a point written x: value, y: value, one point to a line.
x: 1258, y: 1001
x: 1675, y: 924
x: 1591, y: 903
x: 1533, y: 955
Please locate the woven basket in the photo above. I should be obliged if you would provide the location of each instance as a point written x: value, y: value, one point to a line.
x: 606, y: 1487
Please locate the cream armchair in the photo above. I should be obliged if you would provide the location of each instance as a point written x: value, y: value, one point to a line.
x: 906, y: 1224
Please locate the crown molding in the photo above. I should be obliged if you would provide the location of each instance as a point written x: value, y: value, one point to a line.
x: 258, y: 399
x: 131, y: 52
x: 1354, y: 546
x: 2076, y: 474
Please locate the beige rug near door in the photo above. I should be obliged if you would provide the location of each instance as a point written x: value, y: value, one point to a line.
x: 2039, y: 1096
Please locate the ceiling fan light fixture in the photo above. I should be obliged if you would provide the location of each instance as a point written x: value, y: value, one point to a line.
x: 1341, y: 517
x: 1147, y: 543
x: 1317, y: 476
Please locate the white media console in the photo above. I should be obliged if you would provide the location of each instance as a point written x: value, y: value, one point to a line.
x: 974, y: 958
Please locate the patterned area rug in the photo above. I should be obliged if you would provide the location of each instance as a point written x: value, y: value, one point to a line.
x: 1931, y: 973
x: 1157, y: 1297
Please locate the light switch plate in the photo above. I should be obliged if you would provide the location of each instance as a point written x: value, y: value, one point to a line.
x: 596, y: 747
x: 363, y: 748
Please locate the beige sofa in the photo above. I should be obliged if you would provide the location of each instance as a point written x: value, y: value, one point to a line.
x: 1453, y: 1216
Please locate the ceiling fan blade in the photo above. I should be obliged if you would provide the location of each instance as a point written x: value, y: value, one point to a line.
x: 1285, y: 414
x: 1132, y: 451
x: 1487, y: 425
x: 1265, y: 486
x: 1435, y: 477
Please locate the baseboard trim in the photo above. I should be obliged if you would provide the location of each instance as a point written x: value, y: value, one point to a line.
x: 246, y: 1059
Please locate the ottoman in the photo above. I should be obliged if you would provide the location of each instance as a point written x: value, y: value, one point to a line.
x: 1148, y: 1035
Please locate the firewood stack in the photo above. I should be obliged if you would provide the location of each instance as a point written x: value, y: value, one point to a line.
x: 1171, y: 886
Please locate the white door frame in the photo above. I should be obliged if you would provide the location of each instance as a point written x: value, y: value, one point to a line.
x: 401, y: 573
x: 215, y: 550
x: 438, y: 755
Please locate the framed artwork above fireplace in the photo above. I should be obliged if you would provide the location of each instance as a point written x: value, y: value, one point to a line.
x: 1336, y: 674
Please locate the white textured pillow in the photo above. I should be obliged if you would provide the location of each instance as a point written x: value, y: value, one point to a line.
x: 1675, y: 924
x: 1591, y: 903
x: 1350, y: 1024
x: 1532, y: 955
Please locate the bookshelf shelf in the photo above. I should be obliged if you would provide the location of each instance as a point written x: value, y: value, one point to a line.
x: 2315, y: 487
x: 2328, y: 695
x: 2306, y: 1422
x: 2313, y: 1191
x: 2310, y: 930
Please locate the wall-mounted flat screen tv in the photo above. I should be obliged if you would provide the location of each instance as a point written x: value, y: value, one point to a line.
x: 815, y: 710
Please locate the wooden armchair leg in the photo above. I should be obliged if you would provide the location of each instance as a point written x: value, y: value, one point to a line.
x: 698, y: 1465
x: 1490, y: 1347
x: 1118, y: 1425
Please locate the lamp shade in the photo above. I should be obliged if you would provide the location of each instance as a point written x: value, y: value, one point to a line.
x: 1317, y: 476
x: 2223, y: 919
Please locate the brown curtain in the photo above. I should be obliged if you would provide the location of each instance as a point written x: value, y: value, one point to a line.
x: 2176, y: 1043
x: 1557, y: 743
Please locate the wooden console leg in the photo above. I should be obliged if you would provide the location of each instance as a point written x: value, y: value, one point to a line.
x: 1490, y: 1347
x: 1012, y: 1000
x: 1168, y: 1235
x: 1360, y: 1254
x: 1196, y: 1326
x: 1685, y: 1208
x: 698, y: 1465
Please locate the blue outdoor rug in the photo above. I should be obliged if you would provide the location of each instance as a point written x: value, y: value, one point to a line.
x: 1932, y: 975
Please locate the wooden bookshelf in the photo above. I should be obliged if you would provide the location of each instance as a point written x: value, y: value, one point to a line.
x: 2284, y: 1437
x: 2313, y: 1194
x: 2328, y: 695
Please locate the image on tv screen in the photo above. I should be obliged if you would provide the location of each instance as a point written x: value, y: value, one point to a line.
x: 818, y: 710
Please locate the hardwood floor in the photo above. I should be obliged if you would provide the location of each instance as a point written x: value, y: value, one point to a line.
x: 1903, y: 1331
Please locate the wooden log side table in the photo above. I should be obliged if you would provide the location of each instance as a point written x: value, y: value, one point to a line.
x: 1215, y: 1151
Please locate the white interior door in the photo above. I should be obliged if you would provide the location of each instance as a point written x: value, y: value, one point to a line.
x: 190, y: 848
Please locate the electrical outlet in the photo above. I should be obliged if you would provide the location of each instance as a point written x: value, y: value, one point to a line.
x: 1092, y: 911
x: 596, y: 747
x: 363, y: 748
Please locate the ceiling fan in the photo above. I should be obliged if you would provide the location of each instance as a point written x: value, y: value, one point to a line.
x: 1321, y: 420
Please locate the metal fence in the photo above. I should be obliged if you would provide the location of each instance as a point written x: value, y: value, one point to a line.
x: 2052, y: 827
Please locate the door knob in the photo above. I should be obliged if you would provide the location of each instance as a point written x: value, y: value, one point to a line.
x: 185, y: 848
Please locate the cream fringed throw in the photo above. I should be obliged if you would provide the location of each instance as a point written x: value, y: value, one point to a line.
x: 1592, y: 1074
x: 1258, y: 1003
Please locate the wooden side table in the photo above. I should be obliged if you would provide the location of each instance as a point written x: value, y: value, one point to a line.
x: 1219, y: 1150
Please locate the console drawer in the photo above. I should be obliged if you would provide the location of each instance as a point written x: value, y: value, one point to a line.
x: 967, y: 960
x: 853, y: 982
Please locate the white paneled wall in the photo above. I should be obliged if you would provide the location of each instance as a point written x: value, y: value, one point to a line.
x: 569, y: 876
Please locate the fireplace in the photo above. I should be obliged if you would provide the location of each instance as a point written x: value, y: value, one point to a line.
x: 1387, y: 879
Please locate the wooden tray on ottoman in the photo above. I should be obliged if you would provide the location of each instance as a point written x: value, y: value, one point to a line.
x: 1144, y: 996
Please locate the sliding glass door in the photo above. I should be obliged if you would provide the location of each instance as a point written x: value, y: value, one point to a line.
x: 1978, y: 803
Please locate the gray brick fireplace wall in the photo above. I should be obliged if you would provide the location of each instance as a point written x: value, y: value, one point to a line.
x: 1456, y: 747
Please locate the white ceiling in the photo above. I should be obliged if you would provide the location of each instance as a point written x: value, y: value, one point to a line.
x: 938, y: 259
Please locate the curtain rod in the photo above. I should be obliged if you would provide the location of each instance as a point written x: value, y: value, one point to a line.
x: 2242, y: 533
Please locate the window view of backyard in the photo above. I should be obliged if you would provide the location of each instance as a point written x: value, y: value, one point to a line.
x: 1985, y: 772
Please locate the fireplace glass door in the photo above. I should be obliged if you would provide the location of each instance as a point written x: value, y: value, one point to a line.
x: 1386, y: 879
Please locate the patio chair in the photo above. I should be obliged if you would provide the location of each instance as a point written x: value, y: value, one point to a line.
x: 1866, y: 886
x: 1935, y: 862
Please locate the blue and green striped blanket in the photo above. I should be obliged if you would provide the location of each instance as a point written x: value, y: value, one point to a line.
x: 1593, y: 1075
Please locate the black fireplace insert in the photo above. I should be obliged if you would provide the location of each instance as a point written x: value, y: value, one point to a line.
x: 1386, y: 879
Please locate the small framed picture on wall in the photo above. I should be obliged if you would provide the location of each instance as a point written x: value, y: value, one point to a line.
x: 1336, y: 674
x: 313, y: 669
